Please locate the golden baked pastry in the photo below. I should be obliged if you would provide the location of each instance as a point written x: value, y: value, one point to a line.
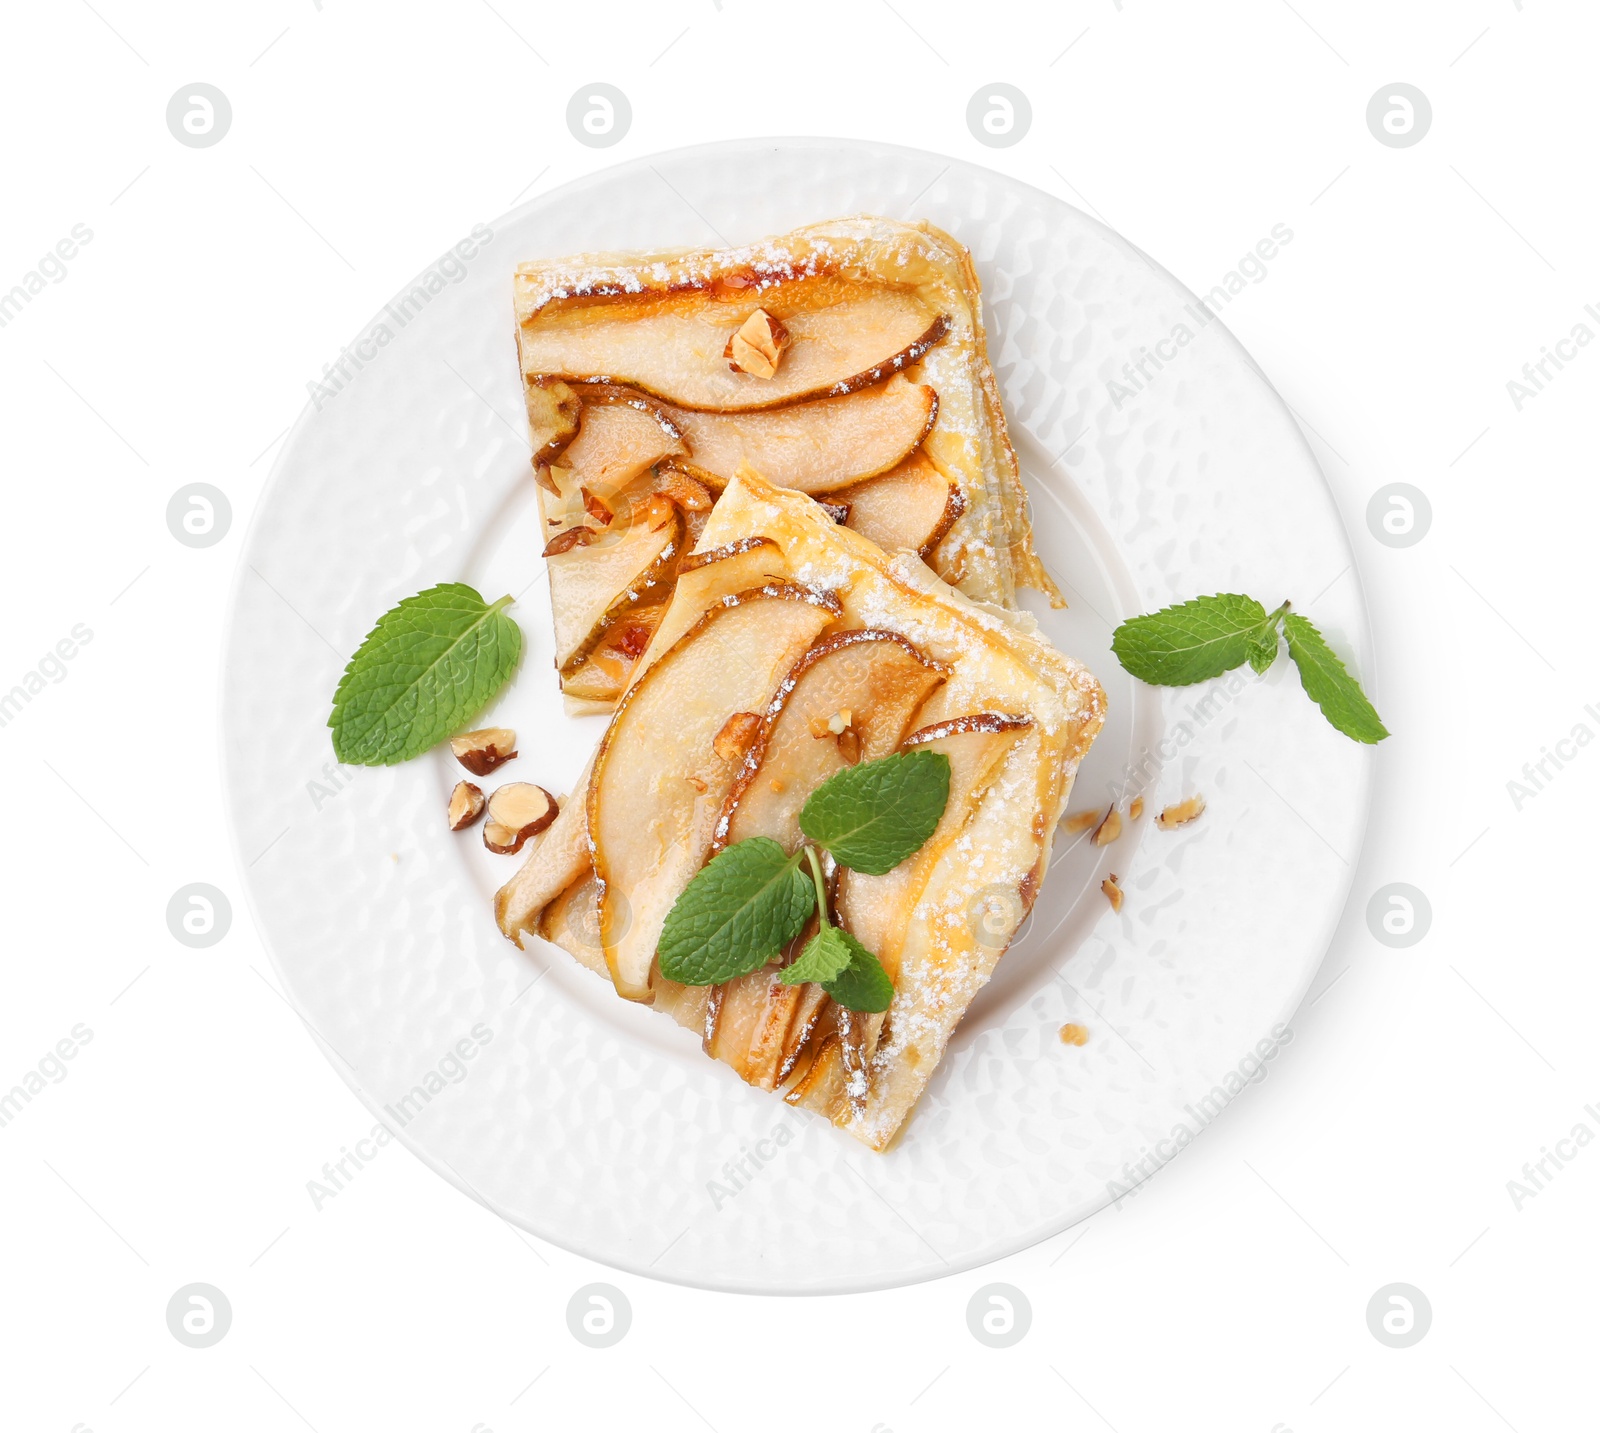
x: 845, y: 360
x: 789, y: 648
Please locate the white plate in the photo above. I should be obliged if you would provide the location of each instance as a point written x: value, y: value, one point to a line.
x: 599, y: 1125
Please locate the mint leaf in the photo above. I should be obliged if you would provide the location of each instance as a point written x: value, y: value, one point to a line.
x: 864, y: 984
x: 1263, y: 651
x: 827, y: 955
x: 1329, y: 685
x: 430, y: 665
x: 872, y: 816
x: 1194, y: 641
x: 739, y: 911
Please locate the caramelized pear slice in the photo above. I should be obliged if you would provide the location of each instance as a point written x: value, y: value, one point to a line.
x: 873, y: 680
x: 706, y: 577
x: 875, y: 909
x: 843, y: 336
x: 591, y: 586
x: 658, y: 782
x: 912, y: 507
x: 812, y: 447
x: 880, y: 680
x: 603, y: 675
x: 619, y: 436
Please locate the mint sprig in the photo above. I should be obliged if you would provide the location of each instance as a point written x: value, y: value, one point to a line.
x: 1203, y: 638
x: 750, y: 901
x: 430, y: 665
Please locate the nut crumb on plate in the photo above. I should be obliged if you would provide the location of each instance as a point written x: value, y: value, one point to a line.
x: 1181, y: 814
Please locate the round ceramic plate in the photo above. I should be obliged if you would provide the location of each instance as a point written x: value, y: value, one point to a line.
x: 1160, y: 464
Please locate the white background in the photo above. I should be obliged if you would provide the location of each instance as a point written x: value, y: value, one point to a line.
x: 1231, y: 1293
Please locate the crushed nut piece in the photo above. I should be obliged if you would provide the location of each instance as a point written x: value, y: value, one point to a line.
x: 516, y: 812
x: 757, y: 346
x: 1073, y: 1034
x: 1182, y: 813
x: 697, y: 782
x: 481, y: 751
x: 1113, y: 891
x: 1136, y: 810
x: 688, y: 493
x: 850, y: 745
x: 1080, y: 821
x: 840, y: 720
x: 565, y: 541
x: 736, y: 735
x: 466, y: 805
x: 1108, y: 830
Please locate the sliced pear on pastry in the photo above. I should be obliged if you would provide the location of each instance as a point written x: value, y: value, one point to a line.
x: 873, y: 908
x: 592, y: 584
x: 911, y: 508
x: 706, y: 577
x: 848, y: 699
x: 811, y: 447
x: 619, y: 436
x: 658, y: 780
x: 843, y: 336
x: 603, y: 674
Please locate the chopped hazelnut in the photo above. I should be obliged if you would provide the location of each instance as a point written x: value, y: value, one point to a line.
x: 1136, y: 809
x: 1108, y: 830
x: 1182, y: 813
x: 516, y: 812
x: 1080, y: 821
x: 1072, y: 1034
x: 688, y: 493
x: 736, y: 735
x: 1113, y: 892
x: 466, y: 805
x: 757, y: 346
x: 481, y: 751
